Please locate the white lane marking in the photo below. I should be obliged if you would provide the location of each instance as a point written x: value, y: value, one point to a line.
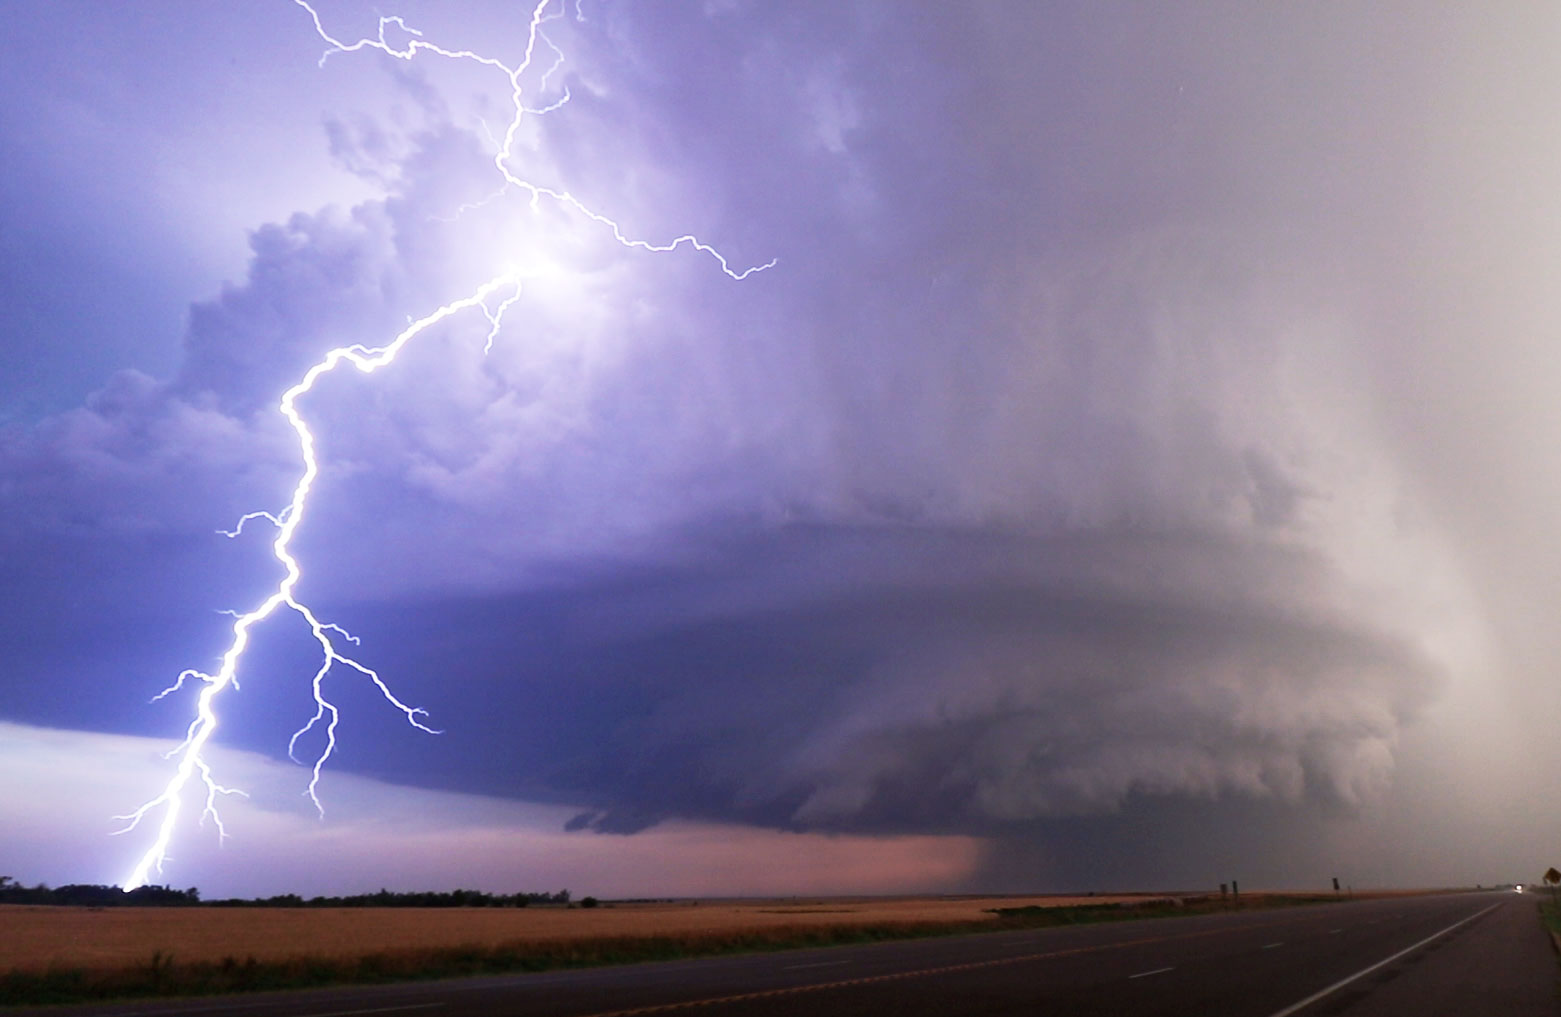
x: 820, y: 964
x: 1146, y: 974
x: 1363, y: 972
x: 1271, y: 946
x: 174, y: 1009
x: 1334, y: 932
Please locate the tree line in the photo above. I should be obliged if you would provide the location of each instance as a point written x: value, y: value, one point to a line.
x: 390, y: 899
x: 97, y: 895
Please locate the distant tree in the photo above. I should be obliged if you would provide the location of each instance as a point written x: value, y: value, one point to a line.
x: 1552, y: 877
x: 588, y: 902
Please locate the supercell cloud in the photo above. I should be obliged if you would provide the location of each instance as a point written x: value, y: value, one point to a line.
x: 1144, y: 426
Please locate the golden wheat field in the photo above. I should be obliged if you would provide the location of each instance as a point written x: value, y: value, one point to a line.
x: 34, y: 938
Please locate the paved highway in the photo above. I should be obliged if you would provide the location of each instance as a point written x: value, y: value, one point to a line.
x: 1464, y: 954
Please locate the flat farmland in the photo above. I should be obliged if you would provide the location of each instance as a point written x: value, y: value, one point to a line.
x: 38, y: 938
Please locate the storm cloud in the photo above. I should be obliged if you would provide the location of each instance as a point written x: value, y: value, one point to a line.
x: 1108, y: 440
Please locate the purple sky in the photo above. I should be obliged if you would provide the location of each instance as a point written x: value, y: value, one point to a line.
x: 1137, y: 469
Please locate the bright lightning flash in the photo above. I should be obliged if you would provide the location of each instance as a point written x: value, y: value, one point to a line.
x: 493, y: 298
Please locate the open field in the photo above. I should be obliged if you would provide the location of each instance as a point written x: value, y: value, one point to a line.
x: 39, y: 937
x: 36, y: 938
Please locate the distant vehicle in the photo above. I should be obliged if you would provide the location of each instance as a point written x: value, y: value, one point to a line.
x: 1518, y: 888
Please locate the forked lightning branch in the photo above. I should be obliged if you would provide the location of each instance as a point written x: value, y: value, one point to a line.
x: 492, y: 299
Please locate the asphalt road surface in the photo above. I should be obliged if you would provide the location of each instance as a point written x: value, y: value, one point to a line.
x: 1465, y: 954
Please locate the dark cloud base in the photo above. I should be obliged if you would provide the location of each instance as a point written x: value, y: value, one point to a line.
x: 792, y: 679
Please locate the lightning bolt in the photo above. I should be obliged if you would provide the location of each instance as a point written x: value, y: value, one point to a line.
x: 492, y: 298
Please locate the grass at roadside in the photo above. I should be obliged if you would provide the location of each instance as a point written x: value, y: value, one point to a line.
x: 164, y: 975
x: 1152, y: 907
x: 1550, y: 912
